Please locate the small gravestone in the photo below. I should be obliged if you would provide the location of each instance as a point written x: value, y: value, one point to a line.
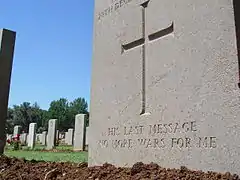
x: 70, y: 137
x: 66, y: 138
x: 43, y: 138
x: 16, y: 130
x: 79, y: 132
x: 7, y: 44
x: 87, y: 137
x: 51, y: 137
x: 165, y: 84
x: 23, y: 138
x: 32, y: 135
x: 57, y: 135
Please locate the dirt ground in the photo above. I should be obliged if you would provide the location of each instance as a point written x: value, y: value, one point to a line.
x: 20, y: 169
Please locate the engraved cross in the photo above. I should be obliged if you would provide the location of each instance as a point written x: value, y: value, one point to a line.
x: 142, y: 43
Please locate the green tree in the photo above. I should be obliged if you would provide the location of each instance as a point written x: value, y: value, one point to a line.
x: 25, y: 113
x: 78, y: 106
x: 60, y: 110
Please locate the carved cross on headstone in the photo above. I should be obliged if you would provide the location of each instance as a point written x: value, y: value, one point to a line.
x: 143, y: 42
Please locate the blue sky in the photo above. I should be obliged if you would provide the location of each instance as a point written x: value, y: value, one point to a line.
x: 53, y: 51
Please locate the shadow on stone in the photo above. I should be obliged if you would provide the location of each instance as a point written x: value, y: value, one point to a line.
x: 236, y: 4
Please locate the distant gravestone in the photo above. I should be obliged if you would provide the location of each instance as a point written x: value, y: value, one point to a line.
x: 23, y: 138
x: 87, y: 137
x: 79, y: 132
x: 16, y: 130
x: 43, y: 138
x: 66, y: 138
x: 7, y: 44
x: 32, y: 135
x: 51, y: 137
x: 57, y: 135
x: 70, y: 137
x: 165, y: 84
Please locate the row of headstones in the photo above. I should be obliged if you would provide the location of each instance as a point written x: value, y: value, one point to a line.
x: 77, y: 138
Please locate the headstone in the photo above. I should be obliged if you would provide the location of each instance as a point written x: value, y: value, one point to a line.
x: 57, y: 135
x: 79, y: 132
x: 70, y: 137
x: 23, y: 138
x: 87, y: 137
x: 38, y: 138
x: 66, y: 138
x: 16, y: 130
x: 32, y: 135
x: 165, y: 84
x: 7, y: 44
x: 51, y: 137
x: 43, y: 138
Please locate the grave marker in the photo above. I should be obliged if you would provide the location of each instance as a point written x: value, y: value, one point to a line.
x: 165, y: 84
x: 51, y: 137
x: 79, y: 132
x: 7, y: 44
x: 32, y: 135
x: 44, y: 137
x: 16, y: 130
x: 70, y: 137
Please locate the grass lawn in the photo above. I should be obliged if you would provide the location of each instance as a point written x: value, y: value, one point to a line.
x: 76, y: 157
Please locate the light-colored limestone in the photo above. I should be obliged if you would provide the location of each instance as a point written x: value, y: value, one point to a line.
x: 79, y: 132
x: 165, y: 84
x: 51, y: 137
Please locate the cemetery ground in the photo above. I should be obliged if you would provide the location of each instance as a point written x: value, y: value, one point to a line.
x: 20, y: 169
x: 63, y: 163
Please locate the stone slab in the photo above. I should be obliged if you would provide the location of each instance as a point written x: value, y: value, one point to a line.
x: 51, y: 137
x: 79, y: 132
x: 70, y: 135
x: 23, y: 138
x: 32, y: 135
x: 165, y: 80
x: 44, y: 138
x: 16, y: 130
x: 7, y: 45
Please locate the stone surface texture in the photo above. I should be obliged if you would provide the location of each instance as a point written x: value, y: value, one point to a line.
x: 173, y: 100
x: 51, y: 137
x: 7, y: 45
x: 32, y: 135
x: 79, y: 132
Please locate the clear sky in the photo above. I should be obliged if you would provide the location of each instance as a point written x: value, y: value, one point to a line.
x: 53, y: 50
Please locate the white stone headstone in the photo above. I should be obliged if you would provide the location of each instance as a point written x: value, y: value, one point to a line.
x: 16, y: 130
x: 51, y: 137
x: 32, y: 135
x: 165, y: 84
x: 70, y: 135
x: 43, y: 138
x: 79, y: 132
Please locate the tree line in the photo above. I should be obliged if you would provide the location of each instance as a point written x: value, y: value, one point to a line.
x: 61, y: 109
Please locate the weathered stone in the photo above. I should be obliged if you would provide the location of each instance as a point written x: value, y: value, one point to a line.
x: 165, y: 84
x: 79, y: 132
x: 7, y: 44
x: 32, y: 135
x: 51, y: 137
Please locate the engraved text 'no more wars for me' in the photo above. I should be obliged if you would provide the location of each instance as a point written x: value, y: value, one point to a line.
x: 159, y: 136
